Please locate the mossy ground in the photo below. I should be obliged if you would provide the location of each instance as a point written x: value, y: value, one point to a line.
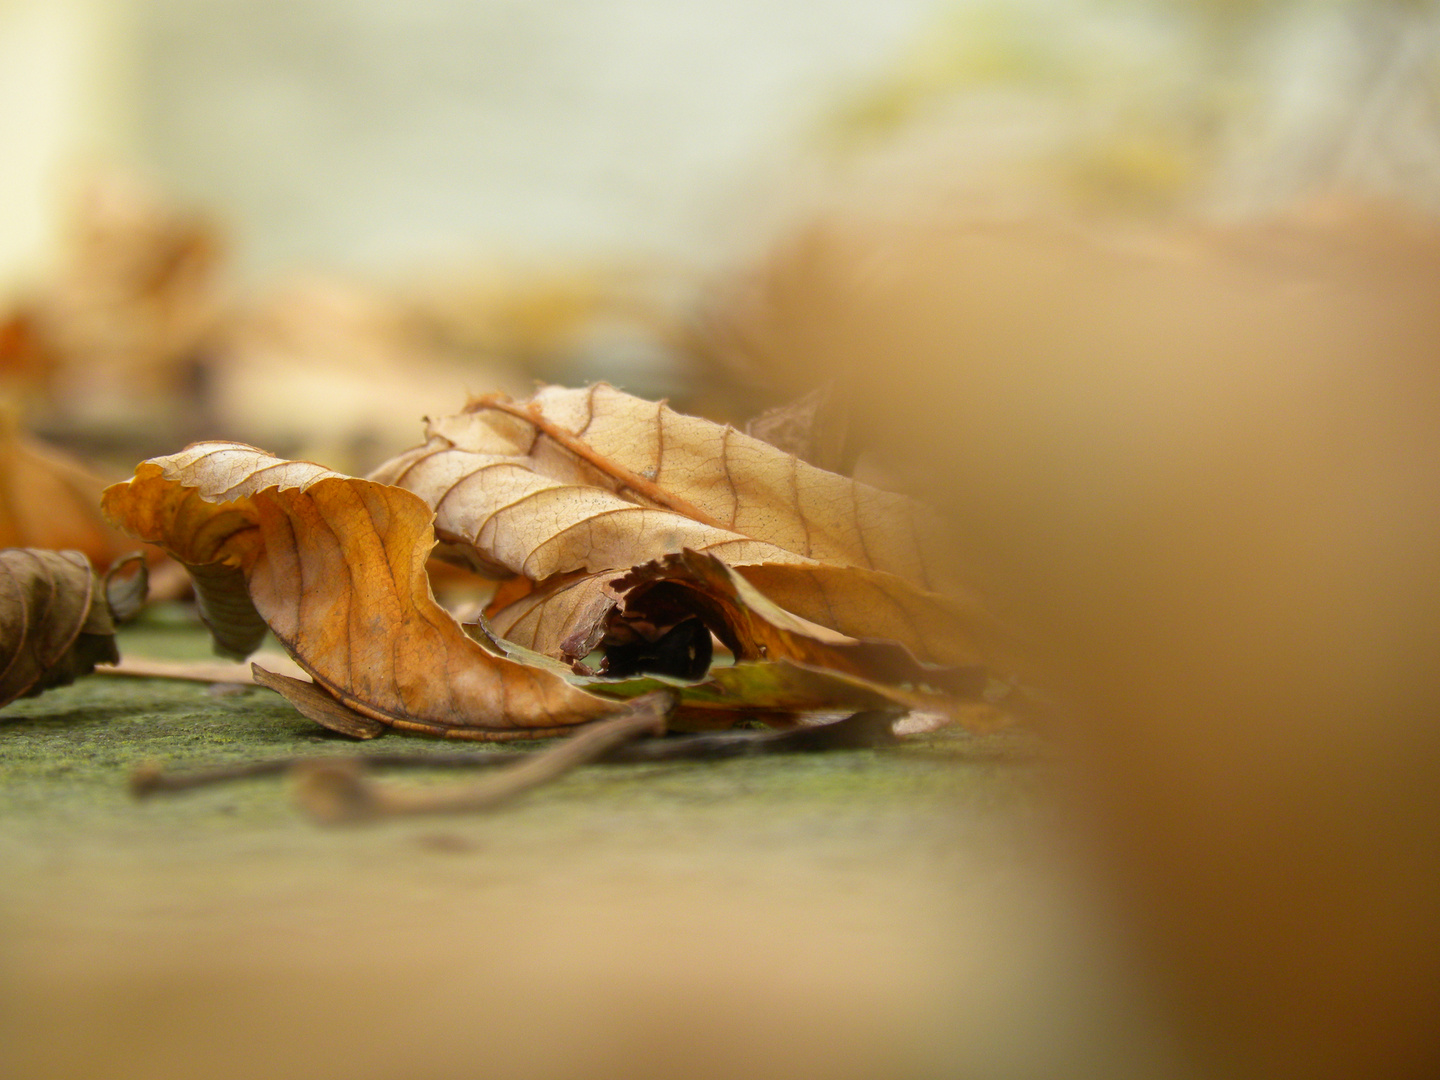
x: 66, y: 756
x: 750, y: 876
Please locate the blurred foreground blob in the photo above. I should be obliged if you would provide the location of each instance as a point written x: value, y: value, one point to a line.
x: 1196, y: 470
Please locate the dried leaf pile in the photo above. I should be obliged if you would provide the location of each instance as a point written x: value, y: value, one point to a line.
x: 622, y: 536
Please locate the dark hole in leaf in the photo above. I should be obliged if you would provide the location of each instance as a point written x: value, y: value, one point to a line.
x: 683, y: 652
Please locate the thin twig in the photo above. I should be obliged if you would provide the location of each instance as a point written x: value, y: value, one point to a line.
x: 861, y: 731
x: 338, y: 792
x: 205, y: 671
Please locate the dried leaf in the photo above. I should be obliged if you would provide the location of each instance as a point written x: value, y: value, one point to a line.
x: 127, y: 586
x: 55, y: 623
x: 564, y: 618
x: 25, y: 362
x: 708, y: 472
x: 567, y: 617
x: 335, y: 567
x: 598, y: 481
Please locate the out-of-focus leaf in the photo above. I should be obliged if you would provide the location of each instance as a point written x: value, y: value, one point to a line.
x: 369, y: 354
x: 335, y: 567
x: 120, y: 325
x: 815, y: 428
x: 55, y: 621
x: 49, y: 500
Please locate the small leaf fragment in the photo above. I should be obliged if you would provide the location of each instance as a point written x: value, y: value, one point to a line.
x: 127, y: 585
x: 815, y: 428
x: 314, y: 704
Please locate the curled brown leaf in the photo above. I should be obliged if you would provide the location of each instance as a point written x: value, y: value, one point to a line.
x: 56, y: 619
x: 334, y: 566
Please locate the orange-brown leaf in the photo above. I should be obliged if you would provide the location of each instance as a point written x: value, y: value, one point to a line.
x: 598, y: 481
x: 335, y: 567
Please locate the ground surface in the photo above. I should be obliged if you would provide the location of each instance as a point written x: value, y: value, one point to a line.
x: 851, y: 914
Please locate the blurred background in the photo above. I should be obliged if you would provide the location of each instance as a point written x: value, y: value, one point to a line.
x: 307, y: 224
x: 216, y: 195
x: 362, y: 135
x: 374, y: 134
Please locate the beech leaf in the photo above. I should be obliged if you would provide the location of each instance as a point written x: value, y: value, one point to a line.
x: 334, y: 566
x: 596, y: 481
